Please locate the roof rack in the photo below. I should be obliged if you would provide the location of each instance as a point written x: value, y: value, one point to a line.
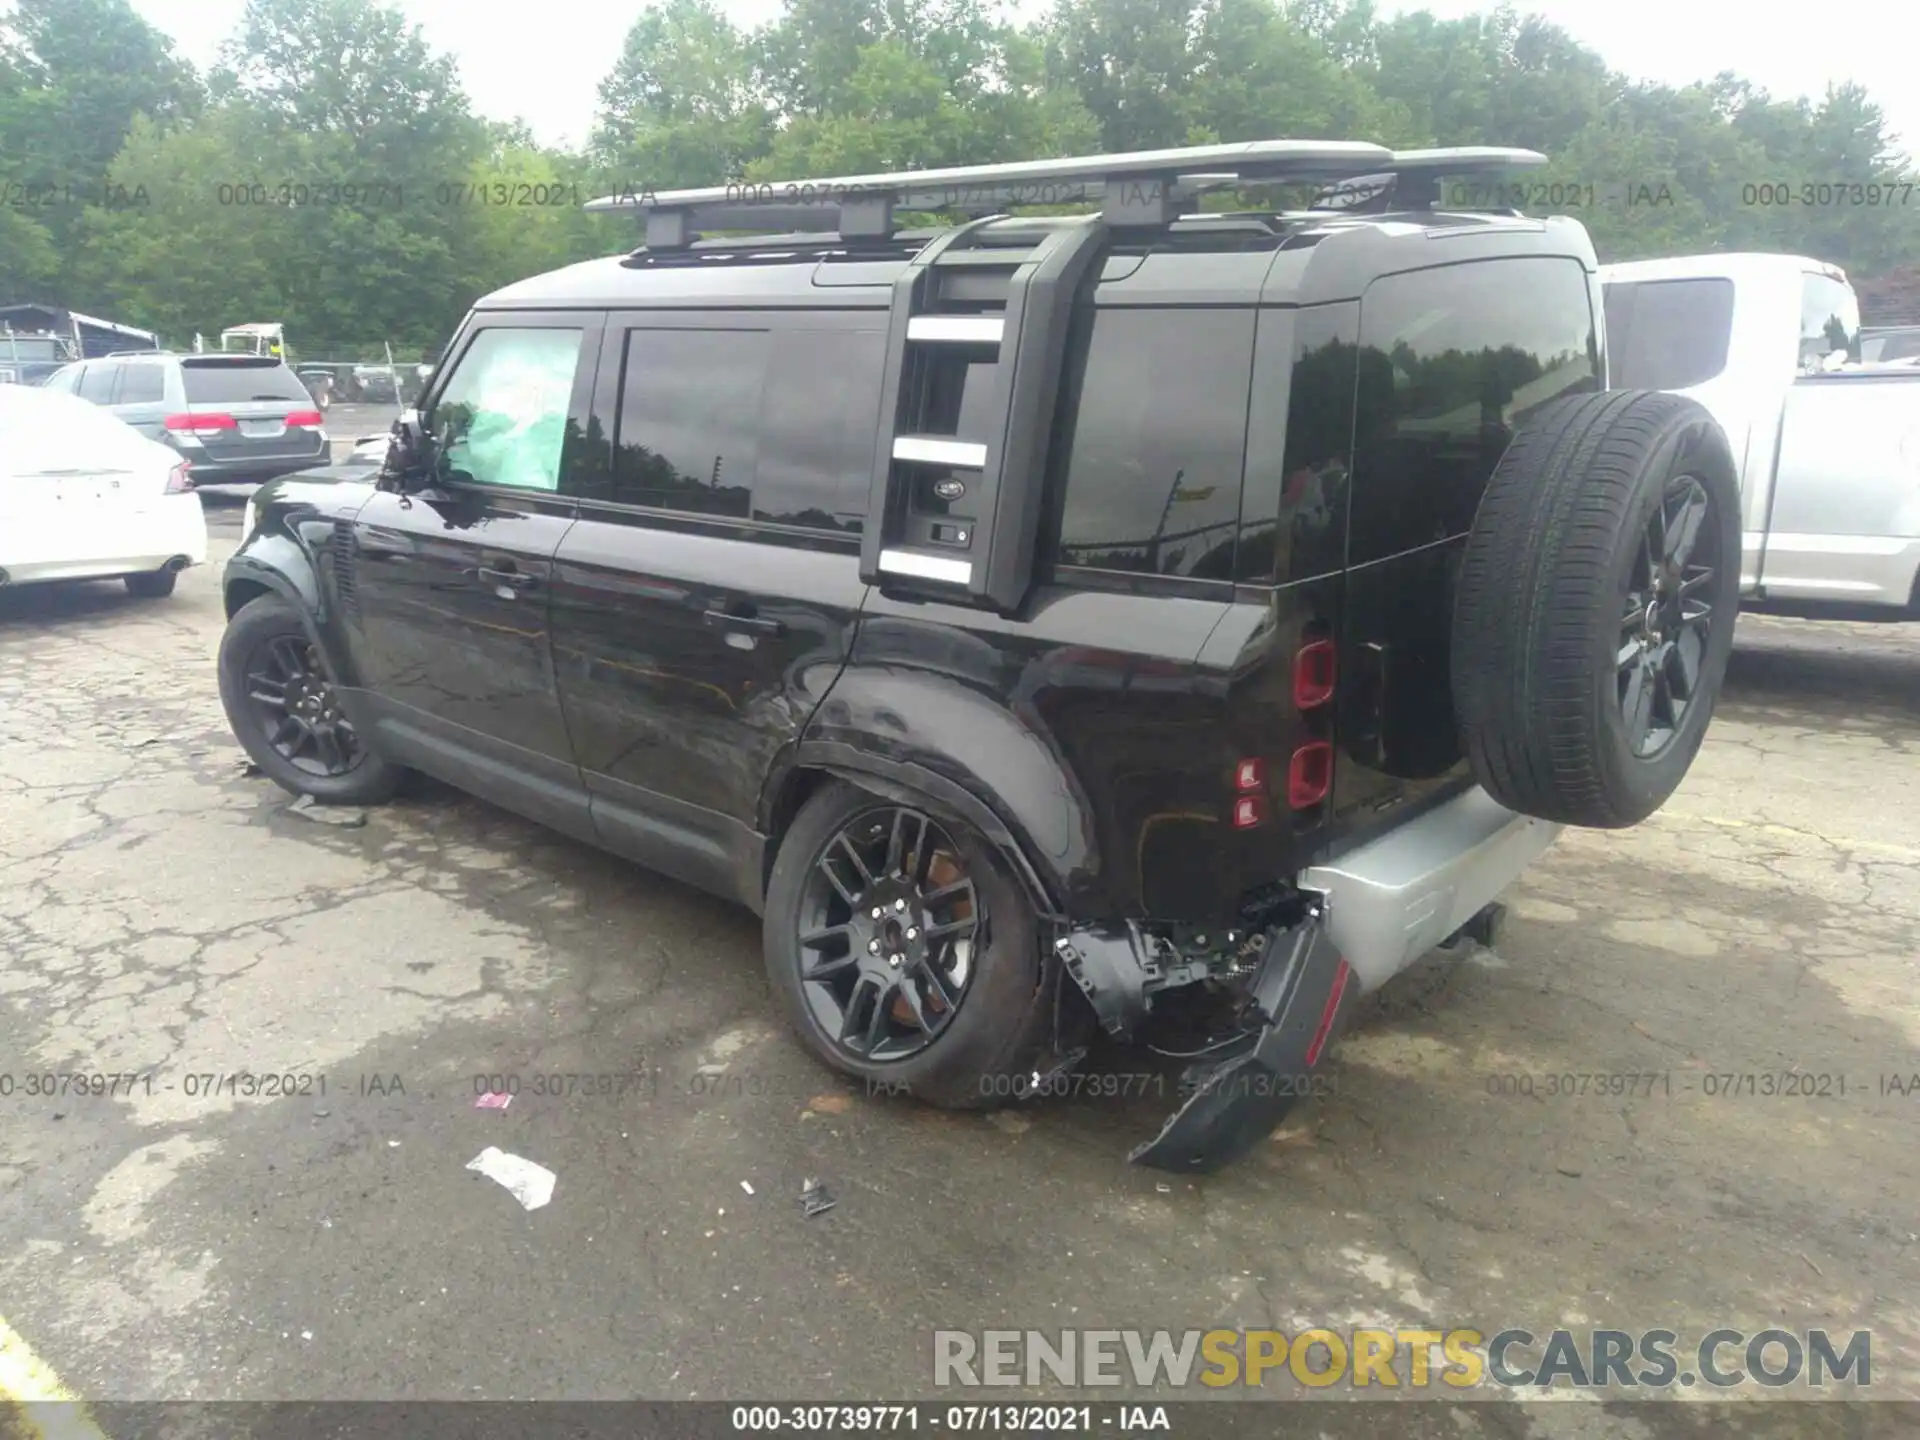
x: 1134, y: 188
x: 1412, y: 181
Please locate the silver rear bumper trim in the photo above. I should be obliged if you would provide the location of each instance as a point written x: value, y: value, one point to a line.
x: 1392, y: 900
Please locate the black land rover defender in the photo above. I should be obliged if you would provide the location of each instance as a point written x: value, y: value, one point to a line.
x: 1156, y: 619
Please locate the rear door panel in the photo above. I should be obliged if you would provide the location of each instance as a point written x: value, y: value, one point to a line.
x: 705, y: 601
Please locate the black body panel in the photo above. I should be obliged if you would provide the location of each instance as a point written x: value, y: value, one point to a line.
x: 687, y: 664
x: 651, y: 653
x: 453, y: 645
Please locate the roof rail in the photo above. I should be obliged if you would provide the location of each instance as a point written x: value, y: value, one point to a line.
x: 1140, y: 188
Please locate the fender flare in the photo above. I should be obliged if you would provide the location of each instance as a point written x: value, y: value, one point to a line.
x: 277, y: 565
x: 914, y: 784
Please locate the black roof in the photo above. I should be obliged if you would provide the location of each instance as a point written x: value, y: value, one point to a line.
x: 1306, y: 257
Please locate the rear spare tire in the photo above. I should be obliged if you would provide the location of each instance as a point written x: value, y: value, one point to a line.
x: 1595, y: 608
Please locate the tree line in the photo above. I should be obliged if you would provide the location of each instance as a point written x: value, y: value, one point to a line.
x: 329, y: 171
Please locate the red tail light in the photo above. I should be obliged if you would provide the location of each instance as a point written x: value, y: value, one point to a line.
x: 1313, y: 674
x: 1250, y: 775
x: 305, y: 420
x: 179, y: 480
x: 1310, y: 774
x: 1249, y: 811
x: 201, y: 424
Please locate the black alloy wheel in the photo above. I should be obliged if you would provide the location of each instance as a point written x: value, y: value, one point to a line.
x: 889, y: 925
x: 1669, y: 617
x: 296, y: 709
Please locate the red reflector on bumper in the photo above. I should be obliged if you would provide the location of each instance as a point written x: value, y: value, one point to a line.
x: 1328, y: 1012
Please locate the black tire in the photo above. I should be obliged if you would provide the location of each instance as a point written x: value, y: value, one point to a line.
x: 1544, y: 663
x: 1003, y: 1021
x: 150, y: 584
x: 260, y: 625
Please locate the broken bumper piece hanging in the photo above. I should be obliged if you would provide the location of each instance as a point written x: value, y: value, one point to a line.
x: 1302, y: 995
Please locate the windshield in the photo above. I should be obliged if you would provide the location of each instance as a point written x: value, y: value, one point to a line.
x: 1829, y: 321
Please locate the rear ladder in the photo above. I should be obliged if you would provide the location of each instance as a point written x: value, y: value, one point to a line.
x: 956, y: 518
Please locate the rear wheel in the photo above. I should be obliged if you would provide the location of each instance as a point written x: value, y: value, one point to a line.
x: 284, y: 710
x: 903, y: 952
x: 150, y: 584
x: 1596, y: 606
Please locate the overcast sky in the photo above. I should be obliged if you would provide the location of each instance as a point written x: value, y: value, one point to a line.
x: 544, y: 62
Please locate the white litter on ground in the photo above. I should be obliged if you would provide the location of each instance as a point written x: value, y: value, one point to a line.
x: 530, y: 1184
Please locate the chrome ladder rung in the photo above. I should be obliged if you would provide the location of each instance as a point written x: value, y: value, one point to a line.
x: 957, y: 329
x: 939, y: 450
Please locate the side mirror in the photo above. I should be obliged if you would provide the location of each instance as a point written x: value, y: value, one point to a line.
x: 409, y: 464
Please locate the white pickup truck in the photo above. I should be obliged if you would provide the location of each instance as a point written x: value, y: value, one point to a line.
x: 1829, y: 448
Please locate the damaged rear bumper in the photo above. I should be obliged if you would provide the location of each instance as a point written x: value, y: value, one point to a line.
x: 1374, y: 911
x: 1304, y: 991
x: 1391, y: 901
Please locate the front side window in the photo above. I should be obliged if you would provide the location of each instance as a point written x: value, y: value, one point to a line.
x: 1829, y: 322
x: 1452, y: 361
x: 64, y: 380
x: 1667, y: 334
x: 1153, y: 460
x: 502, y: 418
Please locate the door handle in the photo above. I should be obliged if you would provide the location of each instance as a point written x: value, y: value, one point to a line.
x: 512, y: 579
x: 743, y: 623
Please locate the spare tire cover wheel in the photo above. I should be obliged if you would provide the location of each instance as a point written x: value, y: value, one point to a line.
x: 1595, y: 609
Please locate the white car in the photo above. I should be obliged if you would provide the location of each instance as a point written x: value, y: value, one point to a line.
x: 85, y: 496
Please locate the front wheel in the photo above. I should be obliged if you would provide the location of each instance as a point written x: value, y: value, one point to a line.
x: 904, y: 953
x: 286, y: 714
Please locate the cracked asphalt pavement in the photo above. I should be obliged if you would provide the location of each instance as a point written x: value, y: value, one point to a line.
x: 163, y: 914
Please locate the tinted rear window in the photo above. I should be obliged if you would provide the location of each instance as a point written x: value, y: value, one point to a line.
x: 776, y: 426
x: 1453, y: 360
x: 229, y: 384
x: 1667, y: 334
x: 141, y: 385
x: 96, y: 383
x: 1153, y: 457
